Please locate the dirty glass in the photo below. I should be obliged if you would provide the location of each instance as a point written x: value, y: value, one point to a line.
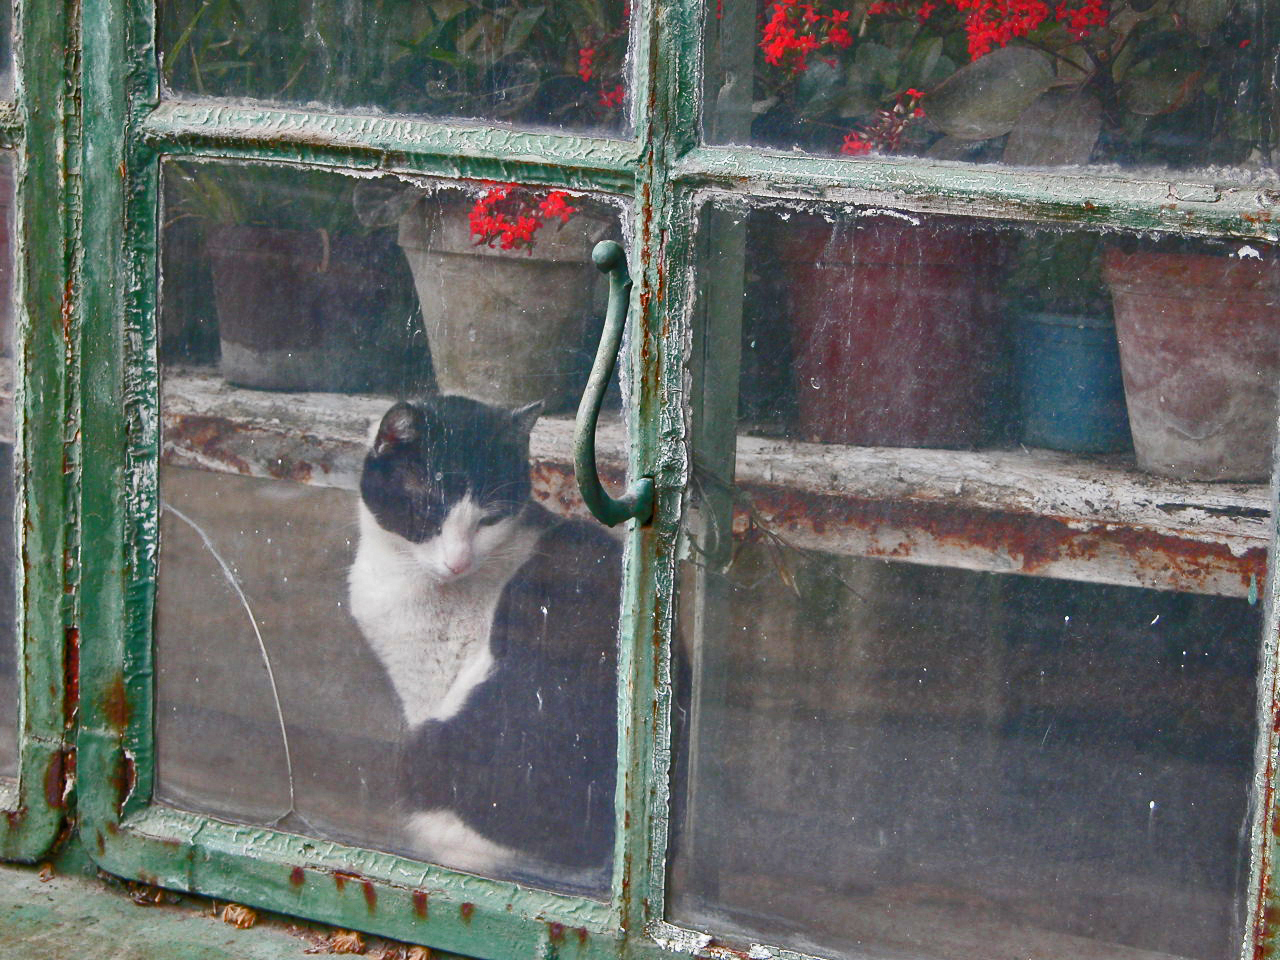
x: 381, y: 617
x: 1186, y: 84
x: 9, y: 684
x: 968, y: 628
x: 548, y: 65
x: 6, y: 51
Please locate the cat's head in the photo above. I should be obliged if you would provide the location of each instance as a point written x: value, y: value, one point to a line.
x: 450, y: 477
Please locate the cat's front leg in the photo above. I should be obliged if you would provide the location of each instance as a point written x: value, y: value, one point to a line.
x: 440, y: 836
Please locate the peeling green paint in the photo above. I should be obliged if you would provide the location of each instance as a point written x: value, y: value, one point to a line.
x: 111, y: 323
x: 46, y: 450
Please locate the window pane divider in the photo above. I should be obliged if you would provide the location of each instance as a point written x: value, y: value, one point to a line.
x: 1189, y: 205
x: 212, y: 128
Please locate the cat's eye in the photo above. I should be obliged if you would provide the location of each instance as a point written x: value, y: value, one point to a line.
x: 489, y: 519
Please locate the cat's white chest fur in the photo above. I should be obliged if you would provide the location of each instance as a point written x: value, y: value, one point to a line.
x: 432, y: 636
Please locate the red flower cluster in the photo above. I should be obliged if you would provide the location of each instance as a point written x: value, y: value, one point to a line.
x: 586, y: 63
x: 993, y: 23
x: 611, y: 97
x: 886, y: 131
x: 1092, y: 13
x: 797, y: 29
x: 509, y: 216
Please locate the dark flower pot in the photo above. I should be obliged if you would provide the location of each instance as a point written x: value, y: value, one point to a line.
x: 310, y: 310
x: 894, y: 333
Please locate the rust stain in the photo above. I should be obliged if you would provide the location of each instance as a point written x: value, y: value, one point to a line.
x: 123, y: 780
x: 102, y: 843
x: 113, y: 828
x: 55, y: 780
x: 68, y: 308
x: 555, y: 932
x: 370, y: 895
x: 582, y: 936
x: 556, y: 488
x: 286, y: 468
x: 206, y: 435
x: 15, y: 817
x: 1030, y: 541
x: 340, y: 878
x: 115, y: 704
x: 297, y: 877
x: 465, y: 911
x: 71, y: 675
x: 420, y: 904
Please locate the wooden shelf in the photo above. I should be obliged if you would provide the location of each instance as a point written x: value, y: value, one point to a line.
x: 1034, y: 512
x: 1031, y: 512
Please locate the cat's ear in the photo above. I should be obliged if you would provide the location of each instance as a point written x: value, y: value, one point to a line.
x: 525, y: 417
x: 401, y: 424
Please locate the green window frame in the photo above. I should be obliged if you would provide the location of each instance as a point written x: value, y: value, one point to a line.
x: 33, y: 808
x: 88, y: 200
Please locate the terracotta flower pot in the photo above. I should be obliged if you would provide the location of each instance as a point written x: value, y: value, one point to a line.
x: 506, y: 327
x: 894, y: 333
x: 309, y: 310
x: 1200, y: 350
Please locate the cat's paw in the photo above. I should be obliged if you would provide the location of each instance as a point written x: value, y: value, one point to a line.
x: 440, y: 836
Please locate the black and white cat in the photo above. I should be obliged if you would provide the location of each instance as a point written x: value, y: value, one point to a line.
x: 497, y: 623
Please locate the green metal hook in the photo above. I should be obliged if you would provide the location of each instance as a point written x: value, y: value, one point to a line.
x: 638, y: 500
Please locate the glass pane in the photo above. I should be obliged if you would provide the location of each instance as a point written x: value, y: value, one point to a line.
x: 556, y: 65
x: 8, y: 540
x: 6, y: 51
x: 969, y: 624
x: 1129, y: 83
x: 361, y: 634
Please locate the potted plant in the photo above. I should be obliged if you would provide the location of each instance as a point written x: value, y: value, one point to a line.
x: 1170, y: 82
x: 894, y: 330
x: 306, y: 297
x: 521, y: 61
x: 509, y: 295
x: 1067, y: 362
x: 1200, y: 348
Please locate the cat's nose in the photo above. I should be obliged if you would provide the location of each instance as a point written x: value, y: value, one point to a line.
x: 458, y: 563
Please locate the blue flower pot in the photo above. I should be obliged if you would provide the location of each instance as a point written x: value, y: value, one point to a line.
x: 1070, y: 385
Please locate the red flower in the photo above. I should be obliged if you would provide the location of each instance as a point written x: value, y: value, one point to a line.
x: 509, y: 216
x: 795, y: 30
x: 586, y: 57
x: 855, y: 144
x: 614, y: 97
x: 840, y: 37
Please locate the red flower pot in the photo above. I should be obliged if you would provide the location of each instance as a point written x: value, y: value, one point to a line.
x: 894, y: 335
x: 1200, y: 351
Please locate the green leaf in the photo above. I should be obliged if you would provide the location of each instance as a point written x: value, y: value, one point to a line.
x: 1060, y: 128
x: 855, y: 102
x: 1202, y: 17
x: 817, y: 88
x: 520, y: 27
x: 1160, y: 85
x: 984, y: 99
x: 876, y: 62
x: 921, y: 61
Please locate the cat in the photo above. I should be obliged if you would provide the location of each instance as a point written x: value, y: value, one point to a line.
x: 496, y: 622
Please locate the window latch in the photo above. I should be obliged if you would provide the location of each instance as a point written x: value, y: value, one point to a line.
x: 637, y: 502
